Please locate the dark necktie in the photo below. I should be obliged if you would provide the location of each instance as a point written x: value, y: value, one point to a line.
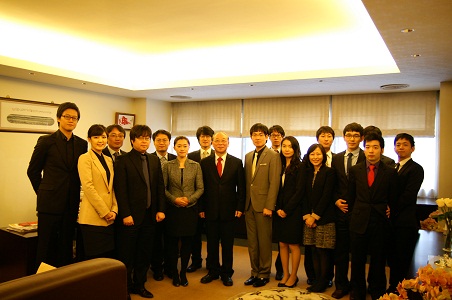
x: 220, y: 166
x: 397, y: 166
x: 115, y: 156
x: 349, y: 162
x: 162, y: 160
x: 144, y: 163
x: 371, y: 175
x: 276, y: 150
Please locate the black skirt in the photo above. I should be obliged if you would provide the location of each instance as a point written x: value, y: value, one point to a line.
x: 181, y: 221
x: 97, y: 239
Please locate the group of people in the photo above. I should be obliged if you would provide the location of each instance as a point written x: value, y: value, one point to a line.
x: 149, y: 210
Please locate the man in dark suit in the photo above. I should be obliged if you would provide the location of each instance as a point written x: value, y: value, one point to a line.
x: 386, y: 160
x: 204, y: 134
x: 140, y: 192
x: 262, y: 173
x: 221, y: 204
x: 372, y: 189
x: 341, y: 163
x: 54, y: 175
x: 116, y: 135
x: 161, y: 139
x: 403, y: 212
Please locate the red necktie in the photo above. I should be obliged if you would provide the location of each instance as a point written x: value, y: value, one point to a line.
x: 219, y: 166
x: 371, y: 175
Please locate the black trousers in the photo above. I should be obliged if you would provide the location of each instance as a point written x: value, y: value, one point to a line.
x: 196, y: 247
x: 55, y: 239
x: 220, y: 231
x: 174, y: 251
x: 341, y: 255
x: 159, y: 255
x: 135, y: 249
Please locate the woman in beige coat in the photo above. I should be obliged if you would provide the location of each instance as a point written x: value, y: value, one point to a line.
x: 98, y: 208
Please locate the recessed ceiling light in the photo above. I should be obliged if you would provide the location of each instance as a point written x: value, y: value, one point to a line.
x: 415, y: 55
x: 31, y: 73
x: 394, y: 86
x: 180, y: 97
x: 84, y: 83
x: 407, y: 30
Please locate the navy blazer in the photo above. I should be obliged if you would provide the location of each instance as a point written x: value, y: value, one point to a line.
x: 224, y: 195
x: 363, y: 200
x: 53, y: 179
x: 131, y: 188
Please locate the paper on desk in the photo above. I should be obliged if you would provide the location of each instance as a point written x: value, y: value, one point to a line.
x: 43, y: 267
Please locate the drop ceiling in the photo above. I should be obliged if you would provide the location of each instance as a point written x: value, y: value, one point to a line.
x: 209, y: 50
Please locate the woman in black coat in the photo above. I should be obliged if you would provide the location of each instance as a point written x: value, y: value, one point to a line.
x: 289, y: 223
x: 319, y: 214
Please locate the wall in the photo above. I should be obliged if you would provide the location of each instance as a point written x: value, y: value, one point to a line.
x: 17, y: 198
x: 445, y: 141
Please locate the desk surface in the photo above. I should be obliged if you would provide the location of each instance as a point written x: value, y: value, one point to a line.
x: 430, y: 243
x: 24, y: 235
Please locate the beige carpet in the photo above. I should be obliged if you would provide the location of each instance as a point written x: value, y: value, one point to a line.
x: 280, y: 293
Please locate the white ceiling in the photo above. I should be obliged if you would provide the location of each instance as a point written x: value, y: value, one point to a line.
x: 144, y: 27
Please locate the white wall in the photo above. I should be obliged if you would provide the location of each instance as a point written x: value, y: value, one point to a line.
x: 17, y: 198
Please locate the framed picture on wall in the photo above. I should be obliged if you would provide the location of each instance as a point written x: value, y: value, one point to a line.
x: 125, y: 120
x: 18, y: 115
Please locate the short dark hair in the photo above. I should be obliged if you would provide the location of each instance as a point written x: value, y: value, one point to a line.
x: 278, y: 129
x: 405, y: 136
x: 139, y: 130
x: 324, y: 129
x: 205, y: 130
x: 96, y: 130
x: 119, y: 127
x: 67, y: 105
x: 181, y: 137
x: 161, y: 131
x: 259, y: 127
x: 311, y: 149
x: 296, y: 158
x: 371, y: 128
x: 354, y: 127
x: 373, y: 136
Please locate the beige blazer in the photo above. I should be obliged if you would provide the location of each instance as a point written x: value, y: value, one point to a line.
x: 98, y: 194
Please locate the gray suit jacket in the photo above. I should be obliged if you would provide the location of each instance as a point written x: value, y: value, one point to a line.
x: 192, y: 187
x: 262, y: 188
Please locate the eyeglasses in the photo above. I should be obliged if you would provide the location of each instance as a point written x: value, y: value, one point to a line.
x: 275, y: 135
x: 144, y: 138
x: 68, y: 117
x: 352, y: 136
x: 114, y: 135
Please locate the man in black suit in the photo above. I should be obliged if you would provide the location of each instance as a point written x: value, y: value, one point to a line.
x: 403, y: 212
x: 341, y: 163
x: 387, y: 160
x: 140, y: 192
x: 372, y: 189
x: 221, y: 204
x: 54, y: 175
x: 204, y: 134
x: 116, y: 135
x: 161, y: 139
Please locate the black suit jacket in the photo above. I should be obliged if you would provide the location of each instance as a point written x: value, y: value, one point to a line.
x: 319, y: 199
x: 196, y: 155
x: 55, y: 182
x: 131, y: 189
x: 224, y: 195
x: 170, y: 155
x: 364, y: 200
x: 410, y: 178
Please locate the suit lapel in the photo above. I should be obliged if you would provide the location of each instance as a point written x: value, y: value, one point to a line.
x: 136, y: 161
x: 101, y: 169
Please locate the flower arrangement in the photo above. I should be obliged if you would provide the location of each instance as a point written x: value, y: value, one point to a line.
x: 430, y: 284
x: 445, y: 206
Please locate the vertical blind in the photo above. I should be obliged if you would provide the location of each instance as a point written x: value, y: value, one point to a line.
x: 392, y: 113
x: 225, y: 116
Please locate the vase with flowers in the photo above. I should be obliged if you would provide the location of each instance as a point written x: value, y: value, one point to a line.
x: 445, y: 206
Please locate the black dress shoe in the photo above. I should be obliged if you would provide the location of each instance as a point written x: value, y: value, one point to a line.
x: 183, y: 279
x: 209, y: 278
x: 176, y: 281
x: 279, y: 275
x: 310, y: 281
x: 250, y: 280
x: 143, y: 292
x: 158, y: 276
x: 338, y: 294
x: 317, y: 288
x: 330, y: 283
x: 227, y: 281
x: 193, y: 267
x: 128, y: 296
x: 261, y: 282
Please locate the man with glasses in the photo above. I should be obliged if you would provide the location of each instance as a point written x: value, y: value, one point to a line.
x: 341, y: 163
x: 262, y: 173
x: 140, y: 192
x: 116, y: 135
x: 161, y: 139
x: 54, y: 175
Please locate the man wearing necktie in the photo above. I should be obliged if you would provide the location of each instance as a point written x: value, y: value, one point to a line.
x: 116, y: 135
x: 372, y: 189
x: 204, y: 134
x: 403, y: 213
x: 221, y: 205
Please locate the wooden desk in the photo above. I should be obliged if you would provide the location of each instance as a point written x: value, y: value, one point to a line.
x: 429, y: 243
x: 17, y: 254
